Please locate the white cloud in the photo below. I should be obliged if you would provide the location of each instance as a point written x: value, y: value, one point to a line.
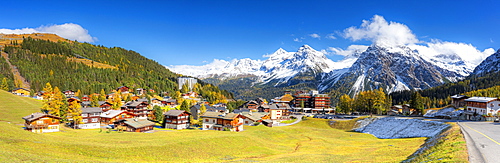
x: 331, y: 36
x: 315, y: 35
x: 297, y: 40
x: 352, y: 49
x: 381, y: 32
x: 68, y: 31
x: 465, y: 51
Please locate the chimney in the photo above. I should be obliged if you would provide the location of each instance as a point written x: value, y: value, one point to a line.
x: 250, y: 112
x: 136, y: 119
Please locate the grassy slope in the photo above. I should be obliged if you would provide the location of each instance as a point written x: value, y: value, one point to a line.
x: 309, y: 141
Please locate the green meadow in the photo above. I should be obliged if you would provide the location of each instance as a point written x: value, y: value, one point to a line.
x: 311, y: 140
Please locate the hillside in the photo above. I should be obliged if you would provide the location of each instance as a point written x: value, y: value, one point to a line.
x: 308, y: 140
x: 46, y: 58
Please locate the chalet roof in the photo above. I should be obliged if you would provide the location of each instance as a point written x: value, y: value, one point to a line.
x: 92, y: 110
x: 103, y: 102
x: 254, y: 116
x: 279, y: 106
x: 229, y: 116
x: 241, y: 110
x: 459, y: 96
x: 171, y: 100
x: 111, y: 113
x: 19, y: 89
x: 481, y: 99
x: 210, y: 115
x: 175, y: 112
x: 138, y: 123
x: 35, y: 116
x: 135, y: 103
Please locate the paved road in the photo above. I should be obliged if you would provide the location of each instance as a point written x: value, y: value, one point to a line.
x: 299, y: 118
x: 483, y: 141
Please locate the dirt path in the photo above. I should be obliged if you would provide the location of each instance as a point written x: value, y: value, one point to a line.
x: 17, y: 76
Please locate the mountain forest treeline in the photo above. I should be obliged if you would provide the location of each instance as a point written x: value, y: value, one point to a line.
x: 89, y: 68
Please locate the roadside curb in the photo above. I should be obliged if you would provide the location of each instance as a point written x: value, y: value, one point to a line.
x: 473, y: 150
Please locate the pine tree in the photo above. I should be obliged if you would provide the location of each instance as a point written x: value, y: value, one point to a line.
x: 5, y: 85
x: 102, y: 96
x: 79, y: 94
x: 117, y: 100
x: 417, y: 102
x: 48, y: 91
x: 185, y: 105
x: 185, y: 88
x: 158, y: 113
x: 345, y: 104
x: 203, y: 110
x: 74, y: 113
x: 94, y: 101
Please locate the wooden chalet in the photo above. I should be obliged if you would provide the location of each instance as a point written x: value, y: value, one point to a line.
x: 85, y: 98
x: 123, y: 89
x: 104, y: 105
x: 140, y: 91
x: 111, y: 116
x: 483, y: 105
x: 91, y: 118
x: 41, y: 123
x: 134, y: 125
x: 69, y: 93
x: 222, y: 122
x: 176, y: 119
x: 458, y: 100
x: 250, y: 118
x: 21, y: 92
x: 279, y: 112
x: 138, y: 107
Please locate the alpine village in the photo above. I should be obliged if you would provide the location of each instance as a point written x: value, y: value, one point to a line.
x: 79, y: 101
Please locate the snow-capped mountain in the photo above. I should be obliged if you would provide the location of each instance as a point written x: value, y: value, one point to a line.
x: 283, y: 65
x: 490, y: 64
x: 220, y: 68
x: 389, y: 68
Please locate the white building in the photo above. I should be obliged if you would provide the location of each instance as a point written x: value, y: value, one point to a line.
x: 483, y: 105
x: 183, y: 80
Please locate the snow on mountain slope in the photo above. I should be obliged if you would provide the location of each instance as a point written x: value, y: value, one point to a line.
x: 221, y: 68
x: 391, y: 68
x: 284, y: 65
x: 490, y: 64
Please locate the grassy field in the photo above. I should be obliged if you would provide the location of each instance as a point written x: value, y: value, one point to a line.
x: 311, y: 140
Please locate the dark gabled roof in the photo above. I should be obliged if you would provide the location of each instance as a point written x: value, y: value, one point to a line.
x: 91, y: 110
x: 254, y: 116
x: 229, y: 116
x: 459, y: 96
x: 279, y: 106
x: 20, y: 88
x: 210, y: 115
x: 175, y: 112
x: 138, y: 123
x: 35, y: 116
x: 103, y: 102
x: 241, y: 110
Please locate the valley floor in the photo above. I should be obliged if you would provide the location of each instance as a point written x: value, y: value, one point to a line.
x: 311, y: 140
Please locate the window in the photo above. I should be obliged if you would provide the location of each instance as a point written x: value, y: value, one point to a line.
x: 84, y: 115
x: 207, y: 126
x: 39, y: 122
x: 85, y: 120
x: 94, y: 119
x: 206, y: 120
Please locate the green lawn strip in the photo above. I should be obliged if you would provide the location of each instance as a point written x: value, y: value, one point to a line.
x: 13, y: 107
x: 312, y: 140
x: 450, y: 146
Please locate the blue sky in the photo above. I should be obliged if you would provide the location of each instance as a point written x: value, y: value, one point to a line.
x: 196, y: 32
